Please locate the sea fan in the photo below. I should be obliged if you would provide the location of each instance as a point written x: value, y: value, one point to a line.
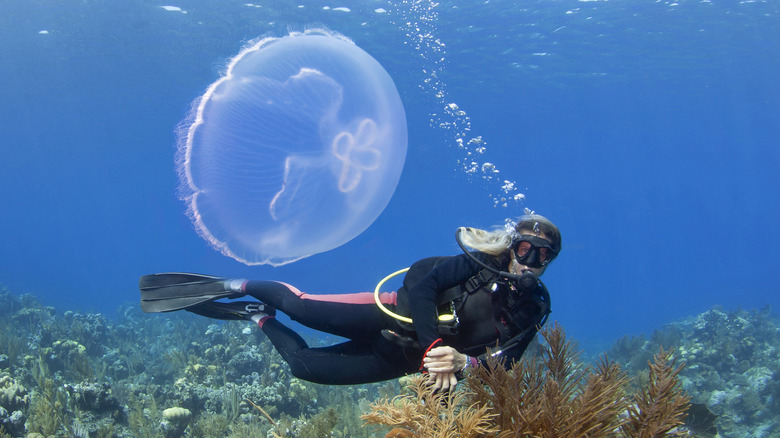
x: 429, y: 414
x: 549, y: 395
x: 660, y: 406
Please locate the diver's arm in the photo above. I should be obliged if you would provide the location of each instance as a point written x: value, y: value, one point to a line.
x: 423, y: 295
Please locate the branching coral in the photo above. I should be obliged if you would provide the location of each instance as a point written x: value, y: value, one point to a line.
x: 550, y: 395
x: 49, y: 403
x: 660, y: 406
x: 426, y: 413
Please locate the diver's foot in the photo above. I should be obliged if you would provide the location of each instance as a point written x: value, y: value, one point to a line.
x: 261, y: 317
x: 235, y: 285
x: 246, y: 310
x: 170, y: 291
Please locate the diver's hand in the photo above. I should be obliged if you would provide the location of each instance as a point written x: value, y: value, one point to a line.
x: 442, y: 363
x: 444, y: 360
x: 442, y: 381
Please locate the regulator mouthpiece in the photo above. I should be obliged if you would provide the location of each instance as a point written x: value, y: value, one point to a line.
x: 527, y: 282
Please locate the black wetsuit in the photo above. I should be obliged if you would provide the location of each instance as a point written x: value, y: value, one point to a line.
x: 368, y: 356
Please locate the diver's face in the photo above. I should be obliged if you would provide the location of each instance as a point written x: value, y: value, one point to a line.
x: 516, y: 267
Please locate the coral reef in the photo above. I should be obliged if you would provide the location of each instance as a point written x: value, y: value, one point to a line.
x: 732, y: 359
x: 13, y: 402
x: 549, y: 395
x: 85, y: 375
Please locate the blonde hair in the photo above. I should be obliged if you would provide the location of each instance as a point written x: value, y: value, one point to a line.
x: 494, y: 242
x: 500, y: 240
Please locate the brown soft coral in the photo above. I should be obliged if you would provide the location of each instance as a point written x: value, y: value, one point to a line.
x: 429, y: 414
x: 550, y: 395
x: 660, y: 406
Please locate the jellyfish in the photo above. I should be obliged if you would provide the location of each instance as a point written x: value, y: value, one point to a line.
x: 294, y: 151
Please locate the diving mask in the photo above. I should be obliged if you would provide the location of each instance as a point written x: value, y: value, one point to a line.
x: 532, y: 251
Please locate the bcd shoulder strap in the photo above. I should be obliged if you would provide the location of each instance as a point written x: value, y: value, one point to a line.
x: 485, y: 276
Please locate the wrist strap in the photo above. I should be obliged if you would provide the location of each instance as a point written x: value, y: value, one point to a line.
x: 430, y: 347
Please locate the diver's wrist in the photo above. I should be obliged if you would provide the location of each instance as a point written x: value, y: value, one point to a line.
x: 469, y: 362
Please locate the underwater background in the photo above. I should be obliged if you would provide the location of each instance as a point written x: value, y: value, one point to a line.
x: 646, y: 130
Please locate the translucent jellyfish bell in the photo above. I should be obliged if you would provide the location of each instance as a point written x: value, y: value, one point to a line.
x: 296, y: 150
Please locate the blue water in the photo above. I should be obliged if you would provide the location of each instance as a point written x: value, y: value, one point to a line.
x: 648, y: 131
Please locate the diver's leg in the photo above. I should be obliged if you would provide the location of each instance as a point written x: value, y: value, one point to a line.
x: 353, y: 316
x: 348, y: 363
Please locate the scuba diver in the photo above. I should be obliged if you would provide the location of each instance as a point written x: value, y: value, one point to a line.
x: 449, y: 315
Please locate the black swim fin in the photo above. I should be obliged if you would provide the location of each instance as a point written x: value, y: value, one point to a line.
x: 232, y: 310
x: 178, y: 290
